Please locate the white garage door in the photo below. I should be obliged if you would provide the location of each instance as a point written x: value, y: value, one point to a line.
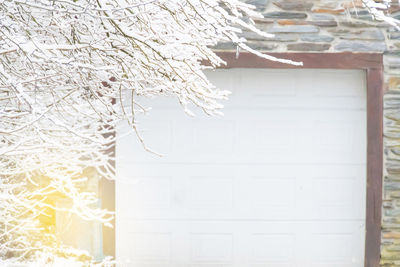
x: 278, y: 181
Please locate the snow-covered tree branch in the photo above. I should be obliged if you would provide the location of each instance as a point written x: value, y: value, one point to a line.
x: 63, y: 66
x: 378, y: 8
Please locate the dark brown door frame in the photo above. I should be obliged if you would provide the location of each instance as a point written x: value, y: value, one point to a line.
x: 372, y: 63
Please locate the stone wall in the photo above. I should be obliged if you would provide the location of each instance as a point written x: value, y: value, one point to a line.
x: 336, y: 26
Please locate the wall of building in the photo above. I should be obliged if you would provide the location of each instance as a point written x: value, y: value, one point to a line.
x: 337, y: 26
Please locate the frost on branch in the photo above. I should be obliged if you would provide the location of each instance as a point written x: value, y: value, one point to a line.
x: 377, y: 10
x: 63, y: 66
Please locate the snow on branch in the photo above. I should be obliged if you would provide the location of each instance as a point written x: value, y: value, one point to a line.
x: 63, y: 65
x: 377, y: 9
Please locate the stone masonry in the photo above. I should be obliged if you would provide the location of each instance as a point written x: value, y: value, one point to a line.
x: 336, y: 26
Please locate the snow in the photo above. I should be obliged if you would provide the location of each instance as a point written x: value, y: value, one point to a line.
x: 62, y: 66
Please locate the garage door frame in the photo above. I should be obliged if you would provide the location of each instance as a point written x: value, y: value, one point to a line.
x: 372, y: 63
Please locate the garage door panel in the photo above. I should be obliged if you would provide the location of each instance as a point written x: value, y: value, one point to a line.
x: 273, y: 88
x: 278, y: 137
x: 266, y: 89
x: 211, y: 247
x: 262, y: 244
x: 338, y: 89
x: 204, y: 192
x: 342, y: 83
x: 324, y: 244
x: 272, y: 248
x: 287, y: 192
x: 345, y: 240
x: 266, y: 192
x: 340, y: 202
